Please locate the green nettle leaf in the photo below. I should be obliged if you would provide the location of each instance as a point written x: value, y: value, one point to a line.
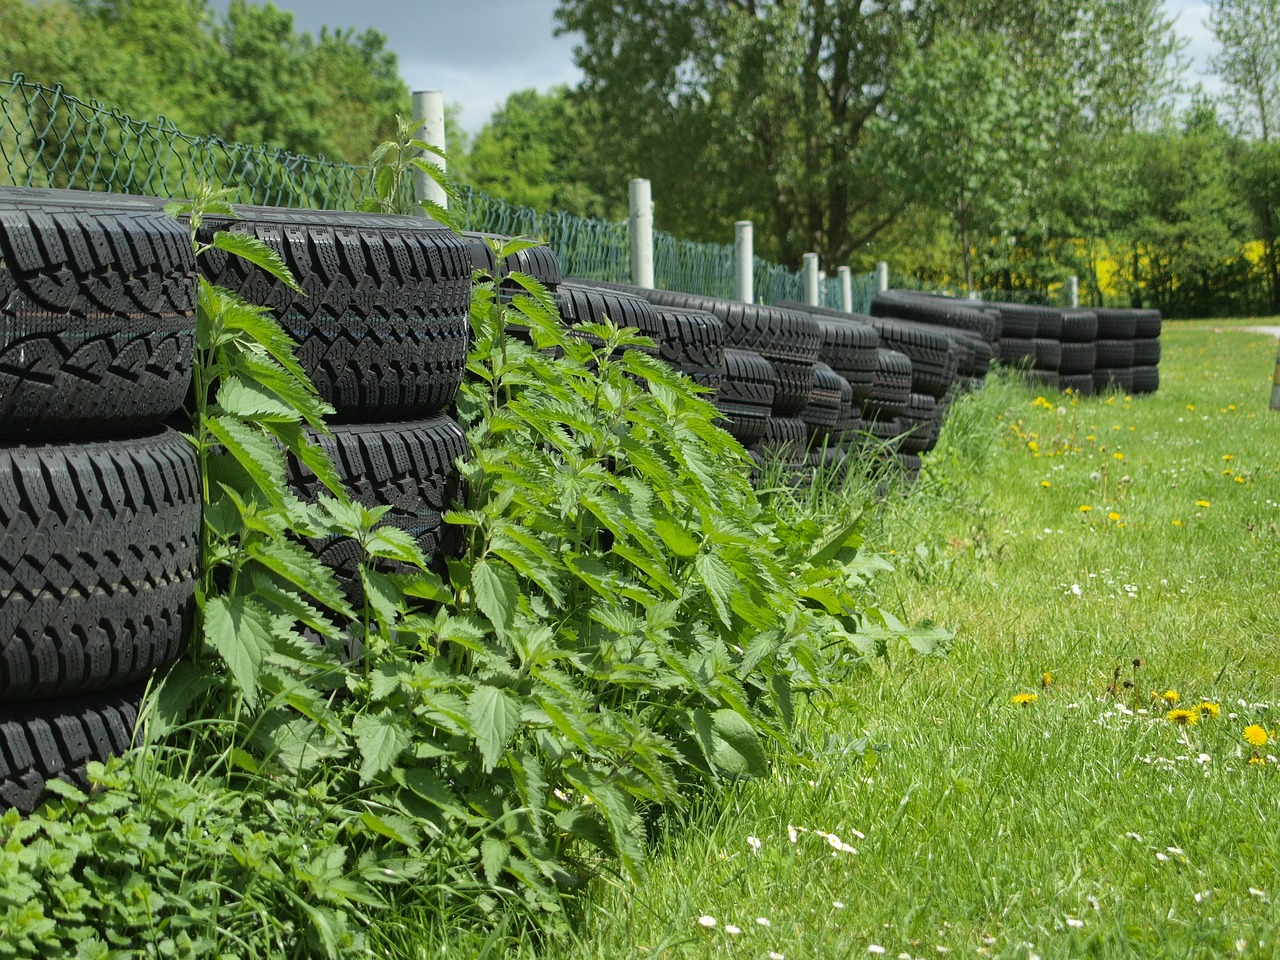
x: 720, y: 583
x: 494, y: 716
x: 379, y: 739
x: 678, y: 540
x: 258, y: 253
x: 252, y: 401
x: 254, y: 452
x: 494, y: 854
x: 497, y: 593
x: 737, y: 746
x: 239, y: 630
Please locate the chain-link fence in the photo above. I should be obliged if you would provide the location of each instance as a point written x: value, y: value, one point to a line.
x: 49, y: 138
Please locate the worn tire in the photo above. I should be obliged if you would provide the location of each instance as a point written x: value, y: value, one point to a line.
x: 1145, y: 379
x: 1079, y: 326
x: 745, y: 396
x: 97, y: 314
x: 581, y: 301
x: 1117, y: 324
x: 1113, y: 353
x: 382, y: 324
x: 1111, y: 379
x: 829, y: 403
x: 786, y: 440
x: 942, y: 311
x: 850, y: 350
x: 1081, y: 384
x: 919, y: 424
x: 539, y: 262
x: 411, y: 467
x: 98, y: 562
x: 1146, y: 352
x: 892, y: 390
x: 692, y: 341
x: 1016, y: 352
x: 1077, y: 358
x: 56, y: 739
x: 1048, y: 353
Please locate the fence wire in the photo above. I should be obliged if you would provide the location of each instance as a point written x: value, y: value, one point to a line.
x: 49, y: 138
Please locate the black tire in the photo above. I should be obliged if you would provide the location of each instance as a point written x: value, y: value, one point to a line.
x: 1146, y: 379
x: 1048, y: 353
x: 581, y: 302
x: 1016, y: 352
x: 919, y: 424
x: 692, y: 341
x: 942, y: 311
x: 539, y: 262
x: 1146, y: 353
x: 745, y: 396
x: 786, y: 440
x: 788, y: 339
x: 97, y: 314
x: 98, y: 562
x: 1146, y: 324
x: 1077, y: 358
x: 983, y: 354
x: 1111, y: 379
x: 892, y: 390
x: 1081, y: 384
x: 886, y: 431
x: 1117, y: 324
x: 909, y: 467
x: 382, y: 325
x: 1079, y: 326
x: 56, y: 739
x: 1048, y: 379
x: 1017, y: 322
x: 850, y: 350
x: 1114, y: 353
x: 829, y: 404
x: 412, y: 467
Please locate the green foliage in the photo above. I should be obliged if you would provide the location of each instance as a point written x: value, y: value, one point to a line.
x: 245, y: 76
x: 536, y: 151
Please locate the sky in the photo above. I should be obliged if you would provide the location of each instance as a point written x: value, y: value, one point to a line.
x: 477, y: 52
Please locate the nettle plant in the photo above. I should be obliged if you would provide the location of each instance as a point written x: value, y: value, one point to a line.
x: 624, y: 622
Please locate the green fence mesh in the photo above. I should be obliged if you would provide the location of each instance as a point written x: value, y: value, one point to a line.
x: 49, y: 138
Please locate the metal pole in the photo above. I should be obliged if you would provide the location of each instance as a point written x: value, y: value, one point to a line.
x: 641, y: 233
x: 809, y: 271
x: 1275, y: 385
x: 846, y: 288
x: 428, y: 126
x: 745, y: 254
x: 882, y: 276
x: 1073, y: 289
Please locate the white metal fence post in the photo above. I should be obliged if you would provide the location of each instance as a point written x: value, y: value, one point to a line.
x: 810, y: 272
x: 745, y: 256
x: 428, y: 119
x: 641, y: 224
x: 882, y: 276
x: 1073, y: 289
x: 846, y: 288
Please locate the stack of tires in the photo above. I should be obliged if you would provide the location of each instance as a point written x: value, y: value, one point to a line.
x: 973, y: 328
x: 383, y: 329
x: 1059, y: 353
x: 100, y: 503
x: 1128, y: 351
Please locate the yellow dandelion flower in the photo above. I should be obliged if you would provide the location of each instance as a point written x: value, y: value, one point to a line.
x: 1091, y: 437
x: 1170, y: 697
x: 1258, y: 760
x: 1255, y: 736
x: 1228, y: 456
x: 1086, y: 508
x: 1203, y: 503
x: 1045, y: 484
x: 1113, y: 516
x: 1208, y: 709
x: 1191, y: 406
x: 1118, y: 455
x: 1183, y: 718
x: 1176, y: 522
x: 1239, y: 479
x: 1046, y: 679
x: 1032, y: 446
x: 1022, y: 699
x: 1231, y: 406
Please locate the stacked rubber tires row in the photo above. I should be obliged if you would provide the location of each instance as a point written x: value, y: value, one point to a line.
x: 1084, y: 351
x: 100, y: 500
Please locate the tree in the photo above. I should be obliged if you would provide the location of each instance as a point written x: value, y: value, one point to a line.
x: 532, y: 153
x: 767, y: 109
x: 1248, y: 61
x: 974, y: 160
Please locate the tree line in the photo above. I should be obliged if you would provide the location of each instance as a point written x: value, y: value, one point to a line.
x: 974, y: 144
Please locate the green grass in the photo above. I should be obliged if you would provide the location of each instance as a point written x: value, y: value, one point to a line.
x: 1083, y: 824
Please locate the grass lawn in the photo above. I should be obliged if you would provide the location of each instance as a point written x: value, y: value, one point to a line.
x: 1083, y: 823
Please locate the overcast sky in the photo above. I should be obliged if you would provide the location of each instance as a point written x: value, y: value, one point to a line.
x: 479, y: 51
